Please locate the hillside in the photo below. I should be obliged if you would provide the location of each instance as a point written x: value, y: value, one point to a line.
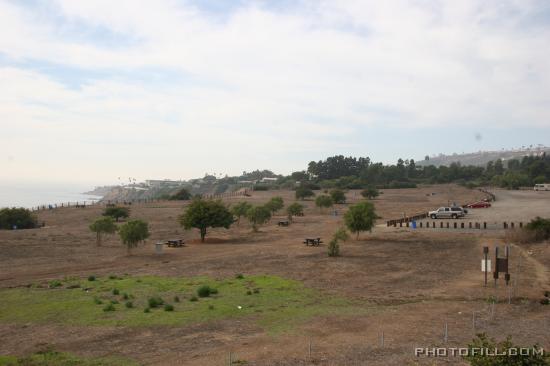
x: 481, y: 158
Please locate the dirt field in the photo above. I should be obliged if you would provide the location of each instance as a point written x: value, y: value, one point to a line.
x: 410, y: 283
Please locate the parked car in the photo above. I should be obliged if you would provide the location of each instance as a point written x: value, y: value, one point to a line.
x: 447, y: 213
x: 480, y: 204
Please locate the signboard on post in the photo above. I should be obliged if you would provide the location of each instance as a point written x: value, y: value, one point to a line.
x: 485, y: 265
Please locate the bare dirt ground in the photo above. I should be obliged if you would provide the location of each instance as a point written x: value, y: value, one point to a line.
x: 413, y: 281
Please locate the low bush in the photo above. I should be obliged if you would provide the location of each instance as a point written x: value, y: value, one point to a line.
x: 155, y: 302
x: 129, y: 304
x: 17, y: 218
x: 125, y: 296
x: 193, y: 299
x: 205, y: 291
x: 176, y: 299
x: 109, y: 307
x: 97, y: 301
x: 239, y: 276
x: 168, y: 307
x: 54, y: 284
x: 116, y: 291
x: 91, y: 278
x: 146, y: 310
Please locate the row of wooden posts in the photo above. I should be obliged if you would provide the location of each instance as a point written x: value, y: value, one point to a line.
x: 84, y: 204
x: 406, y: 220
x: 447, y: 225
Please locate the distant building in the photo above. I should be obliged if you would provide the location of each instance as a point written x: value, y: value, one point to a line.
x: 161, y: 183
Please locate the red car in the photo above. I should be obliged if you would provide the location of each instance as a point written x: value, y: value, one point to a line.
x: 480, y: 204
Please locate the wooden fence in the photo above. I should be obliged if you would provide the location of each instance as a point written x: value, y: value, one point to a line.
x: 460, y: 225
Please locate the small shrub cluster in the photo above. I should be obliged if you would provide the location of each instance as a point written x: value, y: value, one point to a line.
x: 206, y: 291
x: 91, y: 278
x: 155, y: 302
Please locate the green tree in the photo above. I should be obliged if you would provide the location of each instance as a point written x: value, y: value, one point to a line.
x: 302, y: 193
x: 17, y: 217
x: 294, y: 209
x: 370, y: 192
x: 103, y: 225
x: 338, y: 196
x: 323, y: 201
x: 202, y: 214
x: 275, y: 204
x: 258, y: 215
x: 239, y: 210
x: 133, y: 232
x: 360, y: 217
x: 117, y: 212
x: 181, y: 195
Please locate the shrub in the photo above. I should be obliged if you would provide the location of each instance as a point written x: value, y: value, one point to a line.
x: 97, y: 301
x: 176, y: 299
x: 117, y: 212
x: 125, y: 296
x: 249, y: 292
x: 540, y: 227
x: 258, y: 215
x: 54, y: 284
x: 19, y: 218
x: 333, y: 248
x: 109, y: 307
x: 302, y: 193
x: 116, y: 291
x: 370, y: 192
x: 256, y: 291
x: 275, y: 204
x: 103, y: 225
x: 91, y: 278
x: 133, y: 232
x: 182, y: 195
x: 294, y: 209
x: 501, y: 356
x: 239, y: 210
x: 168, y: 307
x: 129, y: 304
x: 112, y: 277
x: 204, y: 291
x: 545, y: 301
x: 114, y: 302
x: 155, y: 302
x: 338, y: 196
x: 147, y: 310
x: 239, y: 276
x: 210, y: 307
x: 323, y: 201
x: 193, y: 298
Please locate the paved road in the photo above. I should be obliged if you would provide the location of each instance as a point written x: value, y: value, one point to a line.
x: 513, y: 206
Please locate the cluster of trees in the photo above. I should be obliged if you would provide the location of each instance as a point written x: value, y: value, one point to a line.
x: 131, y: 233
x: 17, y: 218
x: 359, y: 173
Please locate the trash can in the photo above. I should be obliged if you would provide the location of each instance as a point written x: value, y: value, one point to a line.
x: 158, y: 247
x: 414, y: 224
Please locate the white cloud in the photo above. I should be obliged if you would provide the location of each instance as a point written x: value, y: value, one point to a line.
x: 256, y: 83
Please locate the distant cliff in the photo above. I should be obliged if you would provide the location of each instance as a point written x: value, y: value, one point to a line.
x: 481, y: 158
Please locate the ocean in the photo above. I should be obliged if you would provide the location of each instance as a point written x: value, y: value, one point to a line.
x: 32, y: 194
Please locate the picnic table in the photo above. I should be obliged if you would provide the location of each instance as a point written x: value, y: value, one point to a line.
x: 175, y: 243
x: 283, y: 223
x: 312, y: 241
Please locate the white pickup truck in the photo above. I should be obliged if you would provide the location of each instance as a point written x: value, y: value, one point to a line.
x: 447, y: 213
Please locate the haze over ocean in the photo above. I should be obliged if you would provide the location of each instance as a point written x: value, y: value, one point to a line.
x: 31, y: 194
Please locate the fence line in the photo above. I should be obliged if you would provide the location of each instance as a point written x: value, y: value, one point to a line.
x: 129, y: 202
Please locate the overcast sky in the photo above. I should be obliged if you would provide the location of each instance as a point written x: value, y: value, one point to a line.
x: 100, y: 89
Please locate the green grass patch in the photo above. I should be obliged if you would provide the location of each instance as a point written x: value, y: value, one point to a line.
x: 51, y: 358
x: 273, y: 302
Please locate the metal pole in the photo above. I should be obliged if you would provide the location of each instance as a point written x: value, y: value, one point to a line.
x: 446, y: 332
x: 474, y: 321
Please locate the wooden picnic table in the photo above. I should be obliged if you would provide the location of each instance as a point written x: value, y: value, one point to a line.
x: 176, y: 243
x: 312, y: 241
x: 283, y: 223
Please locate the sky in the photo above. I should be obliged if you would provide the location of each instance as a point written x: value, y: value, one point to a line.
x: 95, y: 90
